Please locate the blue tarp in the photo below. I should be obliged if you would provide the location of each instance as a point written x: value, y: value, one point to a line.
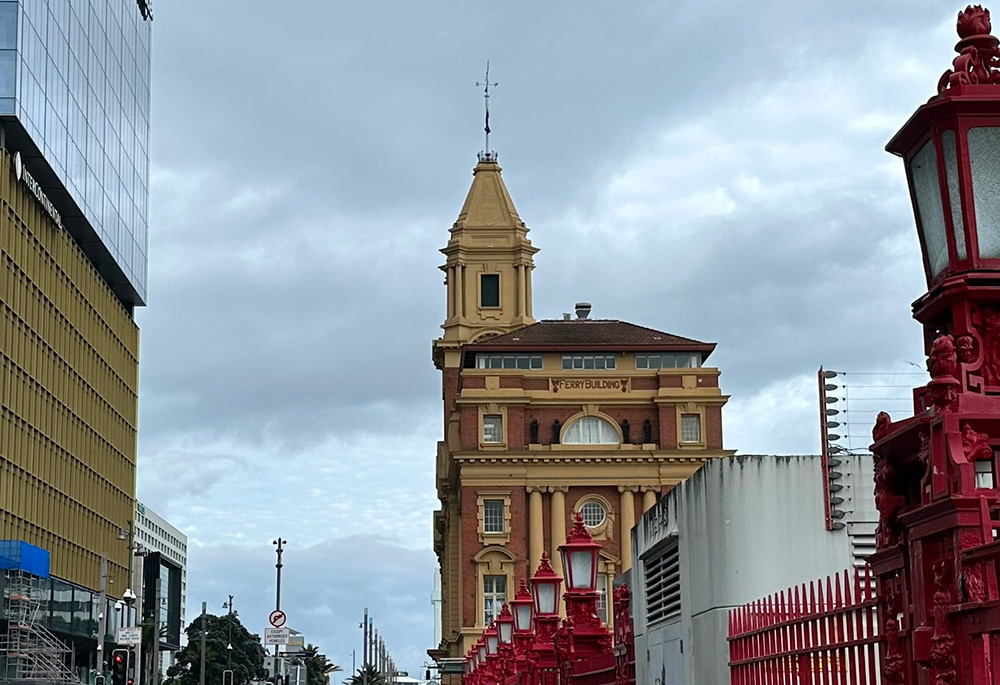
x: 19, y: 555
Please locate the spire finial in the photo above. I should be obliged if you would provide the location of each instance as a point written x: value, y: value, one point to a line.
x: 487, y: 155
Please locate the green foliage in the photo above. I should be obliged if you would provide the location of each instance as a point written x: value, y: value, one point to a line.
x: 247, y: 654
x: 373, y: 677
x: 318, y: 668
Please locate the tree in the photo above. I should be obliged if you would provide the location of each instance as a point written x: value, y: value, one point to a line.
x: 247, y: 653
x: 318, y: 668
x: 373, y: 677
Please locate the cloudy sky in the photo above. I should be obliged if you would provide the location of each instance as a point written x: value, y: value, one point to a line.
x: 713, y: 170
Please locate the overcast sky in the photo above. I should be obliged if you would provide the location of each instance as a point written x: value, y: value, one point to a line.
x: 713, y: 170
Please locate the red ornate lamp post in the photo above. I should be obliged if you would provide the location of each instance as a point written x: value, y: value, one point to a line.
x: 505, y: 644
x: 935, y: 473
x: 580, y: 556
x: 545, y: 593
x: 492, y: 638
x: 524, y: 619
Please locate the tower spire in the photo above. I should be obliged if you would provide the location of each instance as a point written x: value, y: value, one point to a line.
x: 487, y: 155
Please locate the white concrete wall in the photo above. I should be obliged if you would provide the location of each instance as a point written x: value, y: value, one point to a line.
x: 746, y: 526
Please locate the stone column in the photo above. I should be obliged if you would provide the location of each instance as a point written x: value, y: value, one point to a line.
x: 557, y: 505
x: 450, y: 278
x: 536, y: 531
x: 527, y: 289
x: 459, y: 290
x: 648, y: 497
x: 522, y: 288
x: 627, y: 520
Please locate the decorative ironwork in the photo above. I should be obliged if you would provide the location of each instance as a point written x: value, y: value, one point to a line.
x: 978, y: 61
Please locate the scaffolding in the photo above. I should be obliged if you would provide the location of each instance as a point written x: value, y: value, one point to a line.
x: 29, y: 653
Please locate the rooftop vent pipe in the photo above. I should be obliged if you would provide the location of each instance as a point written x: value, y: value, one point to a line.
x: 582, y: 310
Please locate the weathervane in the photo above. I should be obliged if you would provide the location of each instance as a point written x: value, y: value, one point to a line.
x: 487, y: 154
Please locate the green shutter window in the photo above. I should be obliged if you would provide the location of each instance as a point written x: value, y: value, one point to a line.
x: 489, y: 290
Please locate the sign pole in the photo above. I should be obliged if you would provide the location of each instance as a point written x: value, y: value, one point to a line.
x: 204, y: 630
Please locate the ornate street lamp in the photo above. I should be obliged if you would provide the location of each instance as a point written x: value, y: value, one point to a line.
x: 582, y: 632
x: 935, y: 485
x: 949, y: 146
x: 545, y: 589
x: 524, y: 609
x: 492, y: 636
x: 579, y: 557
x: 505, y: 646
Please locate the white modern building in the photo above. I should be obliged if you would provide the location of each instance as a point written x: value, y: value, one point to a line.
x: 154, y: 534
x: 740, y: 528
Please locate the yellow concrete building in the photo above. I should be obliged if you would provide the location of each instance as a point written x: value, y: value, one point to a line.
x: 543, y: 418
x: 68, y: 395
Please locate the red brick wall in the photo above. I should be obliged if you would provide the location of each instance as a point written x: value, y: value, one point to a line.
x: 471, y: 545
x: 510, y: 381
x: 671, y: 381
x: 636, y: 417
x: 470, y: 428
x: 536, y: 383
x: 713, y: 427
x: 668, y: 427
x: 517, y: 434
x: 708, y: 381
x: 477, y: 382
x: 645, y: 383
x: 545, y: 416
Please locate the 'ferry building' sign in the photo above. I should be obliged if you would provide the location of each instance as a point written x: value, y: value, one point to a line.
x: 27, y: 179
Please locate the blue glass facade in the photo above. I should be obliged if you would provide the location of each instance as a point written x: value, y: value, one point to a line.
x: 74, y: 80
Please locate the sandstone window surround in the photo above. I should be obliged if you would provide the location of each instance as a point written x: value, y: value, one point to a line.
x: 487, y: 501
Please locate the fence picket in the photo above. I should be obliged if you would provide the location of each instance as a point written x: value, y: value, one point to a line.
x: 822, y: 632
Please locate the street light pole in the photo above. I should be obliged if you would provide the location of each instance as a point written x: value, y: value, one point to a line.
x: 277, y: 595
x: 229, y: 645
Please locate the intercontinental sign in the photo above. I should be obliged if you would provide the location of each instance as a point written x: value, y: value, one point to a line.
x: 27, y: 179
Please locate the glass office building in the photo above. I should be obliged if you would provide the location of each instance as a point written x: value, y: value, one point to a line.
x: 74, y: 96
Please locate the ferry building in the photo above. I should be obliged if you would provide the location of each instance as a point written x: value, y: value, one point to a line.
x: 546, y: 417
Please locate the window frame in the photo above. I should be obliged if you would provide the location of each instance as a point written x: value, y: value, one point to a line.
x: 491, y: 418
x: 579, y: 361
x: 487, y: 615
x: 501, y: 537
x: 494, y: 516
x: 614, y: 428
x: 482, y: 293
x: 701, y: 428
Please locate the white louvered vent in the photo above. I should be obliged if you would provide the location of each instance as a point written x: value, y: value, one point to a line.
x: 663, y: 585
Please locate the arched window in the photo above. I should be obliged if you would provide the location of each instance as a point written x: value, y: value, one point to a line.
x: 590, y: 430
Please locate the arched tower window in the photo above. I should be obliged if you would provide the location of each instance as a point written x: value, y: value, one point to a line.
x: 590, y: 430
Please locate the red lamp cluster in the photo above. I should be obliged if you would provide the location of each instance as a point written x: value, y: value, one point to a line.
x: 527, y: 638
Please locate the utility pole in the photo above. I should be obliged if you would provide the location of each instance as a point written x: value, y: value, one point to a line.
x: 154, y: 648
x: 364, y: 657
x: 102, y: 616
x: 204, y: 631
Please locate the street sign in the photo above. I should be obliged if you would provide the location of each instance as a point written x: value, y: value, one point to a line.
x: 277, y: 636
x: 298, y: 641
x: 129, y: 636
x: 277, y: 618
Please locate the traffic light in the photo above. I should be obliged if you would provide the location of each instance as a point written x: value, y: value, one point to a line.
x: 99, y: 680
x: 227, y: 677
x: 130, y: 667
x: 119, y: 667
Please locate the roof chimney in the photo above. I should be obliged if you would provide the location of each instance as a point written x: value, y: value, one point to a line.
x: 582, y: 310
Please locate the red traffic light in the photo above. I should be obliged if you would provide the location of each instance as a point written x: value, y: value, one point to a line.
x: 118, y: 658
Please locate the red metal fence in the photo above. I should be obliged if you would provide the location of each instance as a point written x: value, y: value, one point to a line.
x: 816, y: 634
